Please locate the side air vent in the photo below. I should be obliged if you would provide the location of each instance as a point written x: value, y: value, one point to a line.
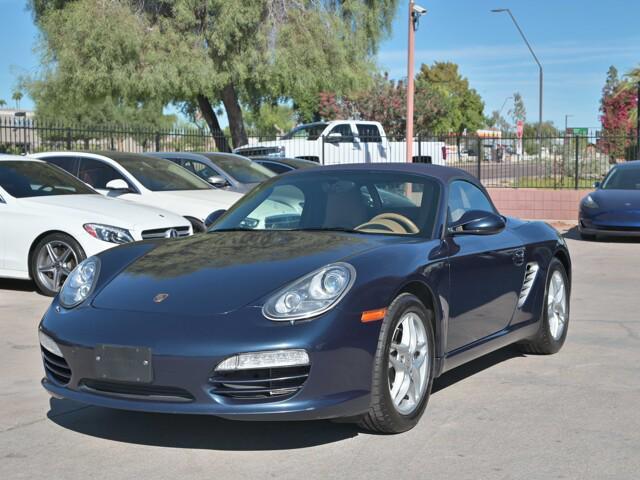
x: 265, y: 383
x: 56, y: 367
x: 529, y: 277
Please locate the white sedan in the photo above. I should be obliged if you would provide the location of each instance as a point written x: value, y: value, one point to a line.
x: 145, y: 179
x: 50, y: 221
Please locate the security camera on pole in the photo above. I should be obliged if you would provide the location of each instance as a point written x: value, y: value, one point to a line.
x: 415, y: 12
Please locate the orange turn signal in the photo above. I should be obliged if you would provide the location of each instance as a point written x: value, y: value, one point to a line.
x: 373, y: 315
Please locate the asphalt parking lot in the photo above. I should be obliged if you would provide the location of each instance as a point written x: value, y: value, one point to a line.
x: 573, y: 415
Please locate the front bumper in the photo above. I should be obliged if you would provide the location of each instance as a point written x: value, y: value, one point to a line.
x: 610, y: 224
x: 340, y: 349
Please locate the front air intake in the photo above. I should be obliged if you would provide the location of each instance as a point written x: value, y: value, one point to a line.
x: 259, y: 383
x: 529, y: 277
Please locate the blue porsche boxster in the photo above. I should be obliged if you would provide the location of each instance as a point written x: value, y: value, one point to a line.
x: 614, y: 208
x: 337, y: 292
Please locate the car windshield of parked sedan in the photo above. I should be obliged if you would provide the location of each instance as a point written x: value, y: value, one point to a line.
x: 386, y: 202
x: 241, y: 168
x: 310, y: 131
x: 22, y: 179
x: 627, y: 178
x: 160, y: 175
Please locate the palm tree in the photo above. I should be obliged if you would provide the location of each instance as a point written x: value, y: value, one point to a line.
x: 2, y: 102
x: 17, y: 96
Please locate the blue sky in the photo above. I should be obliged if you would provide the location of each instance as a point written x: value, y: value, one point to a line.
x: 576, y: 41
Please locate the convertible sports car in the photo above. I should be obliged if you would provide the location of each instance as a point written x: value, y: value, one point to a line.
x: 614, y: 208
x: 386, y: 277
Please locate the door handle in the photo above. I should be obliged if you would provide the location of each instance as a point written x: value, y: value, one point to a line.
x: 518, y: 257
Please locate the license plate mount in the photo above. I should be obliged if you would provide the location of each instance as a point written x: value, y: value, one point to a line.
x: 123, y: 364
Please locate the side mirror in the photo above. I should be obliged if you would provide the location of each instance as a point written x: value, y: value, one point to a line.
x: 217, y: 181
x: 333, y: 137
x: 596, y: 184
x: 213, y: 216
x: 117, y: 184
x: 478, y: 222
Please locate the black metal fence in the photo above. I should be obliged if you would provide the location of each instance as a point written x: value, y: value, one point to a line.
x: 550, y: 162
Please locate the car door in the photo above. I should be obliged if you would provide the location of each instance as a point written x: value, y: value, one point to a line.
x: 343, y: 148
x: 371, y: 143
x: 97, y: 173
x: 486, y: 272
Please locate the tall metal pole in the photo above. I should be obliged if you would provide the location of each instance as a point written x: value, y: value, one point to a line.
x: 566, y: 122
x: 410, y: 86
x: 541, y: 80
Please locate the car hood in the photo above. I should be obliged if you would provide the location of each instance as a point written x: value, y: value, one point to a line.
x: 617, y: 199
x: 111, y: 211
x: 220, y: 272
x: 194, y: 203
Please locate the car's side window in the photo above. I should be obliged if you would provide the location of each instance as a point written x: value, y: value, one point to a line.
x: 344, y: 130
x: 275, y: 167
x: 70, y: 164
x: 368, y: 133
x: 97, y: 173
x: 465, y: 196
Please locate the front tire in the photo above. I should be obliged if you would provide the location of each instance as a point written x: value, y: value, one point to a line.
x: 403, y: 367
x: 52, y: 260
x: 555, y: 313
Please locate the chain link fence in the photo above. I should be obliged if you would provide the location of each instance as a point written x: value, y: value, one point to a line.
x: 553, y: 162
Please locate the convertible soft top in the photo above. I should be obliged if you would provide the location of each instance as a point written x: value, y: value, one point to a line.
x: 437, y: 171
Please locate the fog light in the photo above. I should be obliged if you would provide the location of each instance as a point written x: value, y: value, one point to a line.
x: 270, y: 359
x: 48, y: 344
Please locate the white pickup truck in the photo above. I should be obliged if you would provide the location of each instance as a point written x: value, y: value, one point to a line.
x: 344, y: 141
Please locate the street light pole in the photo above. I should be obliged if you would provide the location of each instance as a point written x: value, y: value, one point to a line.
x: 415, y: 12
x: 541, y: 80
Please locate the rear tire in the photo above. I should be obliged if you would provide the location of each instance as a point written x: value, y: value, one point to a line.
x: 393, y: 361
x: 52, y: 260
x: 550, y: 338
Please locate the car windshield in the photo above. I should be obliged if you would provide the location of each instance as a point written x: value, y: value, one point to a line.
x: 310, y: 131
x: 386, y: 202
x: 241, y: 168
x: 160, y: 175
x: 627, y: 178
x: 22, y: 179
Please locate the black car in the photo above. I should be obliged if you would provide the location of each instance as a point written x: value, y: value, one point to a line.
x: 280, y: 165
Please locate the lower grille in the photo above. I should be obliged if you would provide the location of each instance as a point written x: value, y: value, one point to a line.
x: 56, y: 367
x: 175, y: 232
x: 137, y: 392
x: 263, y: 383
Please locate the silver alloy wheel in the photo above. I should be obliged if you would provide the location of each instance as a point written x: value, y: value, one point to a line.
x: 54, y: 263
x: 557, y: 305
x: 409, y: 364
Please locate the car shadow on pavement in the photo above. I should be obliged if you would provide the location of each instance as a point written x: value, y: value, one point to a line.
x: 213, y: 433
x: 18, y: 285
x: 574, y: 234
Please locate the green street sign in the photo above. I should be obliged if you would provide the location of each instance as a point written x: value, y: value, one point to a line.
x: 578, y: 131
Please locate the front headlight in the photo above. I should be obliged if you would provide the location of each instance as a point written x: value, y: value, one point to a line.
x: 107, y: 233
x: 311, y: 295
x: 589, y: 202
x: 80, y: 283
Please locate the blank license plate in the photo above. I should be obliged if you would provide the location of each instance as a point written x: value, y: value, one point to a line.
x: 123, y: 364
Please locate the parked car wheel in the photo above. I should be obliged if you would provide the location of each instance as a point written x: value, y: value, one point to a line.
x: 555, y: 313
x: 403, y: 369
x: 52, y: 260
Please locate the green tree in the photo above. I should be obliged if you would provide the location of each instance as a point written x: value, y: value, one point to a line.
x: 518, y: 112
x: 3, y: 103
x: 496, y: 120
x: 16, y: 96
x: 459, y: 107
x: 270, y: 120
x: 211, y: 53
